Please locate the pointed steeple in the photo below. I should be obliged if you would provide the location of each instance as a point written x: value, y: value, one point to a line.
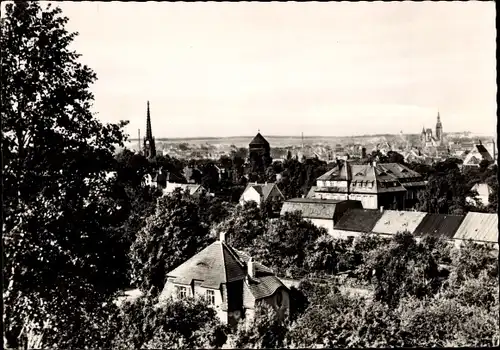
x: 149, y: 134
x: 149, y: 141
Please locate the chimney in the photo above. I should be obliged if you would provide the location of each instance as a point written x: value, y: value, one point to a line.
x: 382, y: 209
x: 374, y: 163
x: 250, y: 268
x: 363, y: 152
x: 222, y: 236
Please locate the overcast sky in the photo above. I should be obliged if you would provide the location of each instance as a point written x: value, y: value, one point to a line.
x: 226, y: 69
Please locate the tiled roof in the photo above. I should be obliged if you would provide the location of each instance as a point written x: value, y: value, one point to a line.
x: 216, y: 264
x: 259, y: 140
x: 213, y: 265
x: 478, y: 227
x: 359, y: 220
x: 171, y: 186
x: 264, y: 286
x: 393, y: 221
x: 311, y: 208
x: 439, y: 225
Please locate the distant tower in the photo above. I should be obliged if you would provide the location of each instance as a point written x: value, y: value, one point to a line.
x: 439, y: 128
x: 149, y: 141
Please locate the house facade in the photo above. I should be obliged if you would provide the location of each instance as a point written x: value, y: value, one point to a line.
x: 229, y: 280
x: 193, y: 189
x: 387, y: 185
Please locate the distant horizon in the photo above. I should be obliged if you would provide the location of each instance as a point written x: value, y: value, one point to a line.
x: 337, y: 68
x: 299, y: 136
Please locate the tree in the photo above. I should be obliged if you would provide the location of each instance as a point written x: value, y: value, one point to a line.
x: 210, y: 177
x: 446, y: 190
x: 61, y: 259
x: 143, y: 324
x: 285, y: 244
x: 265, y: 331
x: 404, y: 267
x: 243, y: 225
x: 173, y: 234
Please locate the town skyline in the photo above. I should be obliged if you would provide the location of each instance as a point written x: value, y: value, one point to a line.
x: 333, y: 69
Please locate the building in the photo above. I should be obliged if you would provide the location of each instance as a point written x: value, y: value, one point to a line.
x: 260, y: 193
x: 193, y: 189
x: 321, y: 212
x: 480, y: 228
x: 149, y: 148
x: 229, y: 280
x: 259, y: 150
x: 389, y: 185
x: 428, y: 139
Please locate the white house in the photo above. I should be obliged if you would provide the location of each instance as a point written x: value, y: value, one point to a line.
x: 483, y: 190
x: 260, y: 193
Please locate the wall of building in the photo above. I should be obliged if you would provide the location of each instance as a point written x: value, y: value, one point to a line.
x: 368, y: 201
x: 250, y: 195
x: 327, y: 195
x: 342, y: 234
x: 325, y: 223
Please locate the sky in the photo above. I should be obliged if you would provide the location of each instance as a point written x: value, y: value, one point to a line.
x: 325, y: 69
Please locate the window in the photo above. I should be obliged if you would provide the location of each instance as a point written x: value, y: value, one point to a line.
x: 181, y: 292
x: 210, y: 297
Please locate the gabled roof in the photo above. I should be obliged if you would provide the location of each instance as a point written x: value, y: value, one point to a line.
x: 263, y: 189
x: 359, y: 220
x: 392, y: 222
x: 478, y: 227
x: 439, y: 225
x: 259, y: 140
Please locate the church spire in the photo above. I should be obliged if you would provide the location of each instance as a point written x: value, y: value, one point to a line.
x: 149, y: 141
x: 149, y: 133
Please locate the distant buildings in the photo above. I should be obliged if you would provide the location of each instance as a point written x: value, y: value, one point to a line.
x: 388, y: 185
x: 260, y: 193
x: 429, y: 140
x: 229, y: 280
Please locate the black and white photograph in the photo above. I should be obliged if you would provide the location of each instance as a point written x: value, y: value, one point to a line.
x: 249, y: 175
